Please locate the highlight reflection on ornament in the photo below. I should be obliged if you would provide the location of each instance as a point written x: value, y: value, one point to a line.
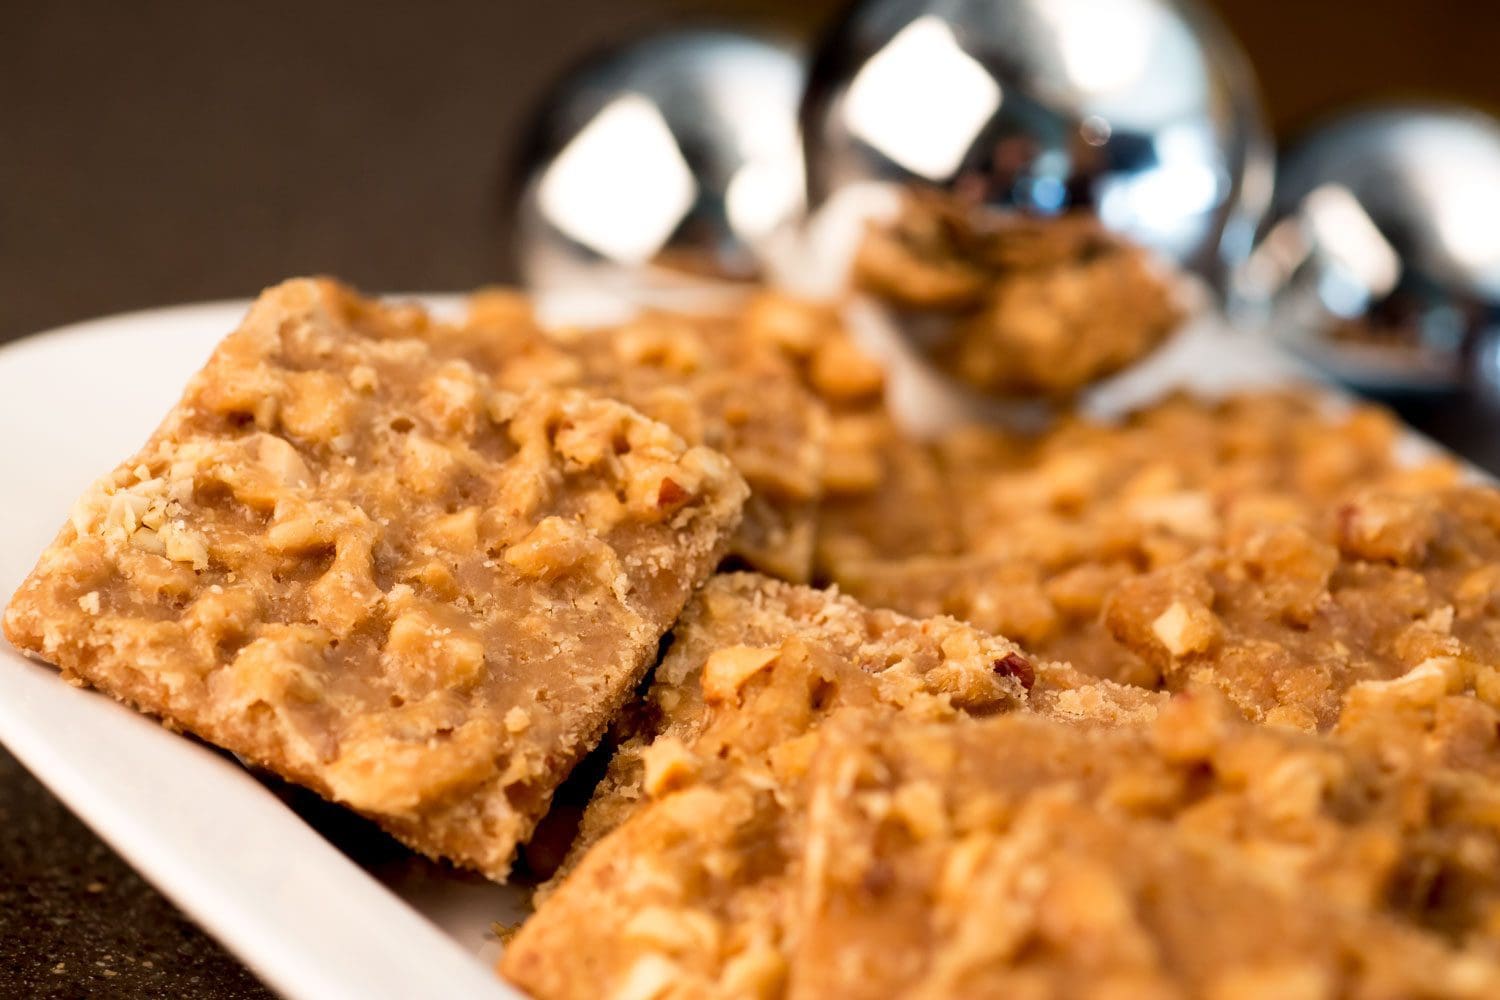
x: 1382, y: 260
x: 1137, y: 111
x: 1133, y: 120
x: 674, y: 158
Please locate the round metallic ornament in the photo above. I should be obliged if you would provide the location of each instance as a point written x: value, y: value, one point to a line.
x: 1381, y: 262
x: 1000, y: 135
x: 667, y: 163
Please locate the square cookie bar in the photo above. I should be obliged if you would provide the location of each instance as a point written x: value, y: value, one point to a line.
x: 347, y: 556
x: 687, y: 867
x: 742, y: 623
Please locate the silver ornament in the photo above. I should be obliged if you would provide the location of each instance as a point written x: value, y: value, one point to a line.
x: 1139, y: 117
x: 665, y: 163
x: 1381, y: 262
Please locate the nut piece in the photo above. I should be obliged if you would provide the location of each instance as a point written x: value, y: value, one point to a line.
x: 691, y: 847
x: 668, y: 764
x: 1185, y: 629
x: 650, y: 977
x: 726, y: 670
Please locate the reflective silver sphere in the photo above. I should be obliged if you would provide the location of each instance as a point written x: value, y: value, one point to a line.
x: 669, y: 159
x: 1141, y: 112
x: 1382, y: 259
x: 1137, y: 117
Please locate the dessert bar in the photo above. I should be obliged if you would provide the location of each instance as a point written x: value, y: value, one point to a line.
x: 351, y: 556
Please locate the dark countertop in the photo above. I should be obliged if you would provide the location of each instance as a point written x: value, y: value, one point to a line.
x: 75, y: 920
x: 169, y: 151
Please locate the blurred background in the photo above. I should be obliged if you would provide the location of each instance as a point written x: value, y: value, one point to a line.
x: 157, y: 152
x: 160, y: 152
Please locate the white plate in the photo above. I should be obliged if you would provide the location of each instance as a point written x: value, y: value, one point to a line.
x: 303, y: 915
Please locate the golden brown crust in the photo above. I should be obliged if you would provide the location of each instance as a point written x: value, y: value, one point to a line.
x: 350, y: 556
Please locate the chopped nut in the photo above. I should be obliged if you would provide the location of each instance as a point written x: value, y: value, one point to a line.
x: 1190, y: 513
x: 1424, y: 684
x: 650, y: 977
x: 668, y: 764
x: 1185, y: 630
x: 452, y: 659
x: 673, y: 931
x: 1017, y: 666
x: 554, y: 546
x: 180, y: 545
x: 727, y: 669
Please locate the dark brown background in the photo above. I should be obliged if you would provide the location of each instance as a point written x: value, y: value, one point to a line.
x: 159, y: 152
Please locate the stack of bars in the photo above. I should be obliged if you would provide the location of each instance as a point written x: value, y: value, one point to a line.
x: 1202, y: 703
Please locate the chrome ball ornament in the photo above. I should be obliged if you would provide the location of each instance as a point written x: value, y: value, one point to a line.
x: 1381, y: 262
x: 1142, y: 113
x: 669, y: 162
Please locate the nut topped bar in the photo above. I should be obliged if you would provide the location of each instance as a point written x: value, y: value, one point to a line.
x: 741, y: 624
x: 349, y: 556
x: 690, y: 850
x: 689, y: 887
x: 1170, y: 850
x: 1065, y: 540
